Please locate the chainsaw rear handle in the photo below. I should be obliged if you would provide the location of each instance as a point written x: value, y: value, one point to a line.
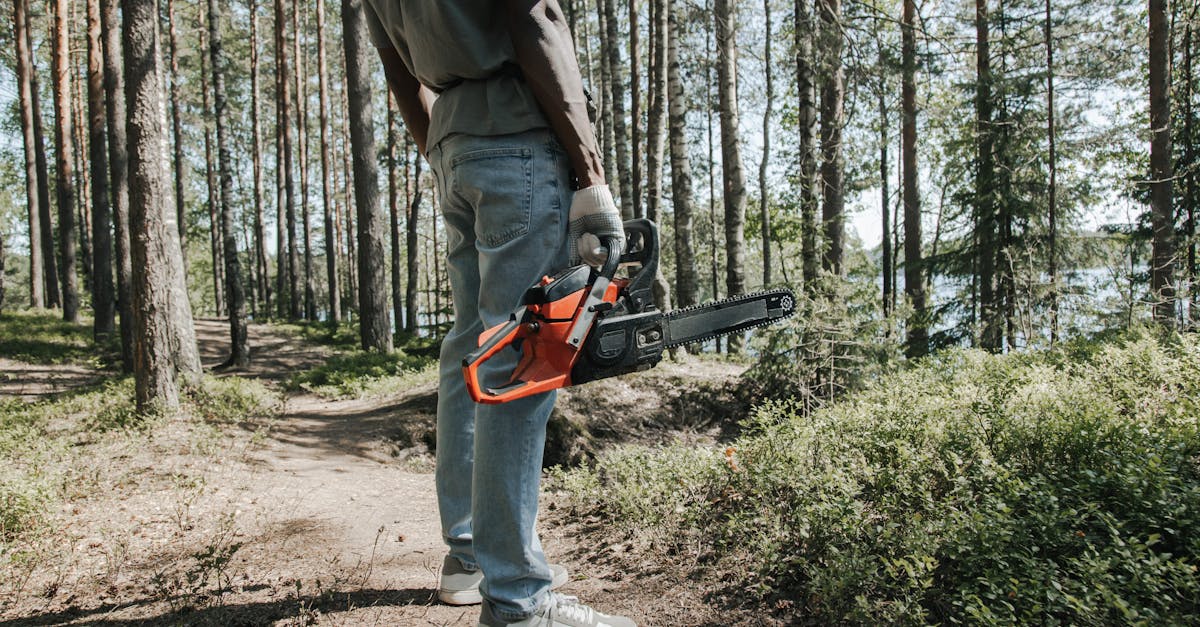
x: 530, y: 377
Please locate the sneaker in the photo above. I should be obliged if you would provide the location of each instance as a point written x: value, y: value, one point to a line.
x: 558, y: 610
x: 459, y: 586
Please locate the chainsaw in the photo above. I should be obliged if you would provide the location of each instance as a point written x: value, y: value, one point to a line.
x: 584, y: 324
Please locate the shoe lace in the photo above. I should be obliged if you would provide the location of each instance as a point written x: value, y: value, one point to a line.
x: 570, y: 607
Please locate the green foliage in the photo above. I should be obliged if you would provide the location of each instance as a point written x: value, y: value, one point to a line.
x: 41, y: 337
x: 1056, y: 487
x: 344, y: 336
x: 233, y: 399
x: 361, y: 373
x: 834, y: 343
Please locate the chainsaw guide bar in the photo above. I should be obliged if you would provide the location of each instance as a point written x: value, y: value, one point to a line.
x: 584, y: 324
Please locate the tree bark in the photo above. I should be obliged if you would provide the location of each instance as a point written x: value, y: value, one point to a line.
x: 991, y: 336
x: 412, y: 223
x: 687, y: 281
x: 620, y: 130
x: 178, y: 160
x: 1052, y: 191
x: 301, y: 75
x: 103, y: 296
x: 26, y: 96
x: 606, y: 121
x: 889, y: 273
x: 374, y: 327
x: 260, y: 247
x: 210, y: 172
x: 327, y: 191
x: 733, y: 177
x: 239, y: 351
x: 158, y: 369
x: 914, y: 282
x: 764, y: 206
x: 833, y: 95
x: 285, y: 129
x: 1162, y: 211
x: 394, y: 212
x: 114, y: 89
x: 656, y: 131
x: 635, y: 106
x: 807, y: 120
x: 64, y: 162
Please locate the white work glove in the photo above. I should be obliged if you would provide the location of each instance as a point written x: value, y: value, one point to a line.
x: 594, y: 216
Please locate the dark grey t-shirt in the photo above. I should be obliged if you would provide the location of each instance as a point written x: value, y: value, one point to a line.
x: 462, y: 49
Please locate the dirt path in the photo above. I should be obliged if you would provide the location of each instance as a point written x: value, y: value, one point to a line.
x: 327, y: 517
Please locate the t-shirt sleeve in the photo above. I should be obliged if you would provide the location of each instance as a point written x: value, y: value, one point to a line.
x: 375, y: 28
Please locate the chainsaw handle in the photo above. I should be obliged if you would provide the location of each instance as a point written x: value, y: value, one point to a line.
x: 501, y: 338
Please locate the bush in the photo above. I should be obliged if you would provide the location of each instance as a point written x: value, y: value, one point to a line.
x: 41, y: 337
x: 233, y: 399
x: 971, y: 489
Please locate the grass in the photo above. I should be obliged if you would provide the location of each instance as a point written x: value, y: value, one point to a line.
x: 44, y: 444
x: 364, y: 374
x: 1055, y: 487
x: 41, y: 337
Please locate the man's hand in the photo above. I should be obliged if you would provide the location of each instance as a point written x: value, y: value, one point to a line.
x: 594, y: 217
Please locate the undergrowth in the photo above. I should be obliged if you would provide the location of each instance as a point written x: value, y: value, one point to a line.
x: 1058, y: 487
x: 42, y: 337
x: 43, y: 444
x: 364, y: 373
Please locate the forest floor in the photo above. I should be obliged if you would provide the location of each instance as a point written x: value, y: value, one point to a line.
x: 322, y: 514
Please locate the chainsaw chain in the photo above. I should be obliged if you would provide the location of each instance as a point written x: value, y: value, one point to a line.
x: 788, y: 302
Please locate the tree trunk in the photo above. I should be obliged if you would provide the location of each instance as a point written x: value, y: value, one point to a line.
x: 1189, y: 138
x: 64, y: 162
x: 310, y: 304
x: 158, y: 367
x: 1052, y: 191
x: 374, y: 327
x: 605, y: 121
x: 712, y: 189
x: 991, y: 335
x: 103, y: 297
x: 914, y: 281
x: 1162, y: 211
x: 178, y: 160
x: 327, y: 190
x: 239, y: 352
x: 833, y: 95
x: 210, y: 171
x: 687, y: 283
x: 411, y: 225
x: 283, y: 114
x: 620, y: 131
x: 656, y: 118
x: 26, y: 96
x: 79, y: 124
x: 394, y: 211
x: 889, y: 274
x: 733, y: 177
x: 260, y: 248
x: 635, y: 106
x: 807, y: 120
x: 764, y: 206
x: 114, y: 89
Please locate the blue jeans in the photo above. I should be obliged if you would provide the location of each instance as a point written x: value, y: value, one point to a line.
x: 504, y: 200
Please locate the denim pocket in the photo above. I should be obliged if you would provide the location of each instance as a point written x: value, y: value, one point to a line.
x: 498, y: 183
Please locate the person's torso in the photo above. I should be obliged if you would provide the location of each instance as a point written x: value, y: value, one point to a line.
x: 461, y: 49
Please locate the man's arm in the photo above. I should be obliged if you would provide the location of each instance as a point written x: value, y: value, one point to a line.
x: 542, y: 42
x: 410, y: 95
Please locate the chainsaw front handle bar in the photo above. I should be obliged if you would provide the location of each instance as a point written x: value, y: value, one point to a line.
x: 538, y: 373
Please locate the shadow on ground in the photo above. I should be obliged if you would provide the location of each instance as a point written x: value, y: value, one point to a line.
x: 253, y: 613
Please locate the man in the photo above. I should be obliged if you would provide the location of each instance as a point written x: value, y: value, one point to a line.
x: 492, y: 94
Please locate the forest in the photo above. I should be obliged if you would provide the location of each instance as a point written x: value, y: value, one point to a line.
x: 219, y: 242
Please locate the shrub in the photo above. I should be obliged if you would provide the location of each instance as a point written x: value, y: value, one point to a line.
x: 232, y: 399
x: 971, y: 489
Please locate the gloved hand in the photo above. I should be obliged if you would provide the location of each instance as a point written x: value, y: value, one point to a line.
x: 593, y: 217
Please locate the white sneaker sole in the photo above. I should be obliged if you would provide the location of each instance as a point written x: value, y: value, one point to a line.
x: 472, y: 596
